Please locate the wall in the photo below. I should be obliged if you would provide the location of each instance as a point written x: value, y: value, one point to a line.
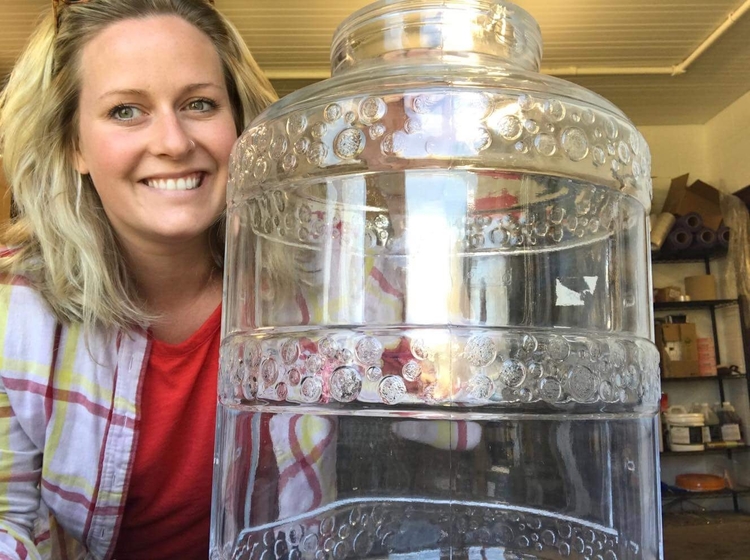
x: 675, y: 150
x: 717, y: 152
x: 728, y: 146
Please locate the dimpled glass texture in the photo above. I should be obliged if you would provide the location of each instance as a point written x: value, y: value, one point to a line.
x: 437, y: 327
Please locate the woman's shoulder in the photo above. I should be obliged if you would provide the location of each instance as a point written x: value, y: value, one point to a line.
x: 9, y: 281
x: 20, y: 299
x: 31, y: 335
x: 18, y: 292
x: 27, y: 323
x: 25, y: 313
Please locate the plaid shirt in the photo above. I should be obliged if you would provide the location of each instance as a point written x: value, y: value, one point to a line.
x: 67, y: 431
x: 68, y: 414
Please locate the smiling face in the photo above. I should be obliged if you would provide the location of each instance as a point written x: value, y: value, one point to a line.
x: 155, y: 129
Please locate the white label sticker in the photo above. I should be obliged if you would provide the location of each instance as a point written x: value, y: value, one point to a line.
x: 591, y: 281
x: 431, y: 554
x: 573, y: 292
x: 731, y: 432
x: 686, y: 435
x: 488, y: 553
x: 567, y: 297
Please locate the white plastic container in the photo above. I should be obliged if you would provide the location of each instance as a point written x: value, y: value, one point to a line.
x: 685, y: 429
x: 712, y: 430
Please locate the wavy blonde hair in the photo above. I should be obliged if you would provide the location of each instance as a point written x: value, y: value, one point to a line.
x: 64, y: 243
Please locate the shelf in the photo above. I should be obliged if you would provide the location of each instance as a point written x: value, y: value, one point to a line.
x: 687, y: 495
x: 687, y: 258
x: 704, y: 378
x: 739, y: 449
x: 705, y: 304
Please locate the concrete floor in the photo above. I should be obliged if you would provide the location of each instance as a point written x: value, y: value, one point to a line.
x: 706, y: 536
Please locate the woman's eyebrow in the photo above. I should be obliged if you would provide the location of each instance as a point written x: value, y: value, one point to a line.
x: 133, y: 91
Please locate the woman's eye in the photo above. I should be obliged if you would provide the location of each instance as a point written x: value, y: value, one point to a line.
x: 201, y: 105
x: 124, y: 113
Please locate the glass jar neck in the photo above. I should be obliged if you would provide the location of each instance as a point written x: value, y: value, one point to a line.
x: 474, y: 31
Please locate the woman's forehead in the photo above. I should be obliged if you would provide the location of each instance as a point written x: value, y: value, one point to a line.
x: 145, y: 52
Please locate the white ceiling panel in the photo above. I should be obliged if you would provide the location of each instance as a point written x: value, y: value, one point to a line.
x: 294, y: 36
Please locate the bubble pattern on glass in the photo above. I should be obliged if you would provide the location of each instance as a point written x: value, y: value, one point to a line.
x: 375, y: 531
x: 496, y: 367
x: 577, y: 212
x: 502, y: 130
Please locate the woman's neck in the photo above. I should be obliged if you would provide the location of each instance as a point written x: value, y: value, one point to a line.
x: 181, y: 285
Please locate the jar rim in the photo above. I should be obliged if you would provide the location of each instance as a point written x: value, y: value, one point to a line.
x: 399, y: 28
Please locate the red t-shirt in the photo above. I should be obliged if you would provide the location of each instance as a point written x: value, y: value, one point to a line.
x: 168, y: 507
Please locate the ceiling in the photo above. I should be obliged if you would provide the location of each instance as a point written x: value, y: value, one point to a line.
x: 291, y: 39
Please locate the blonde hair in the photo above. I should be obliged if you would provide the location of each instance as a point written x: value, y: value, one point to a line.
x: 63, y: 242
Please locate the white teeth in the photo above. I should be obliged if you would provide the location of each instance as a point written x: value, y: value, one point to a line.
x: 181, y: 184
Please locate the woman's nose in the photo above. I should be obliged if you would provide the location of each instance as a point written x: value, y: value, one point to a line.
x: 171, y: 137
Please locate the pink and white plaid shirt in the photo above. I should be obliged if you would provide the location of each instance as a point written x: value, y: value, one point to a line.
x: 67, y: 431
x: 68, y: 434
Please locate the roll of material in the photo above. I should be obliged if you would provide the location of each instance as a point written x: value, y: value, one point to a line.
x: 692, y: 222
x: 701, y: 288
x: 661, y: 225
x: 722, y: 237
x: 703, y: 240
x: 678, y: 240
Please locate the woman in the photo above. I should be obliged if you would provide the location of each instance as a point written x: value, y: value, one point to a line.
x: 116, y: 127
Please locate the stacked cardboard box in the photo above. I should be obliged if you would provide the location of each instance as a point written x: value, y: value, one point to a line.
x: 678, y: 349
x: 698, y: 197
x: 706, y: 357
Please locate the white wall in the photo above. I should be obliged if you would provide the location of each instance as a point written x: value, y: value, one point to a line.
x: 728, y: 147
x: 717, y: 152
x: 675, y: 150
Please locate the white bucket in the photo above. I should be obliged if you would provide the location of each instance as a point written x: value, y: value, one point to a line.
x: 685, y: 429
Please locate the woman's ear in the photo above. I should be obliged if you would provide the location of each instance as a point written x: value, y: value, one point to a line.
x: 79, y: 162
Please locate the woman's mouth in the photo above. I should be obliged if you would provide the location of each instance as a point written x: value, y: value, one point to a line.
x: 184, y: 183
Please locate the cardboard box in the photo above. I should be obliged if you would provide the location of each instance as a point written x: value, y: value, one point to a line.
x: 707, y: 369
x: 706, y: 357
x: 670, y: 293
x: 699, y: 197
x: 678, y: 349
x: 701, y: 288
x: 744, y: 195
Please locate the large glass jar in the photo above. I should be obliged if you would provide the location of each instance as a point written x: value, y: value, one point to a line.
x: 437, y: 326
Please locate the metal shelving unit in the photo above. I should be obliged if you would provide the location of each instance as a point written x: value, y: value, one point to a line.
x: 709, y: 306
x: 688, y: 257
x: 685, y: 305
x: 712, y: 451
x: 670, y: 499
x: 706, y: 378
